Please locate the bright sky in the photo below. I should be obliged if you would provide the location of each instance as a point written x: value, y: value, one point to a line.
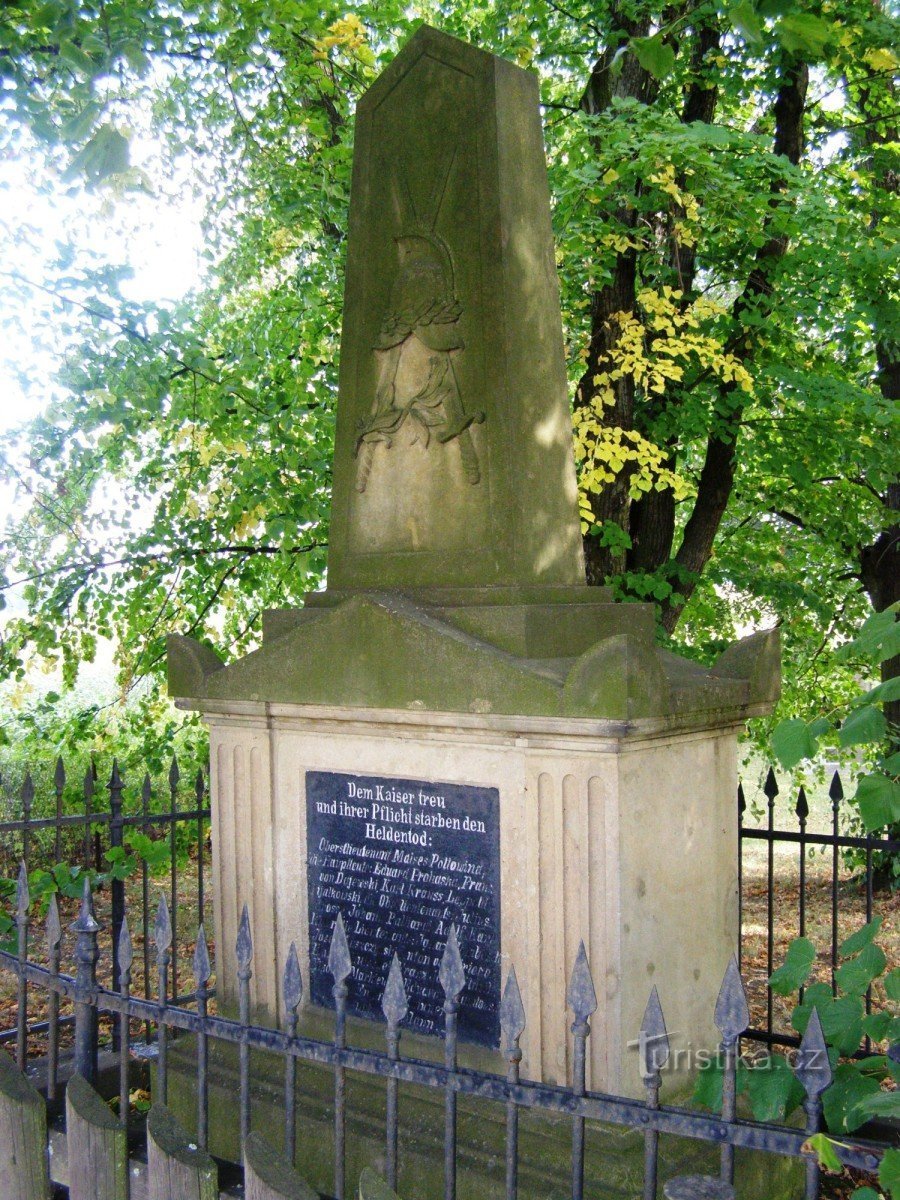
x: 158, y: 237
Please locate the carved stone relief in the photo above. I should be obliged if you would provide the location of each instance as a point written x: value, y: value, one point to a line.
x: 418, y: 342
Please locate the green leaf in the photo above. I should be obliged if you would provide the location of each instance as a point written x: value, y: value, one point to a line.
x: 877, y: 1103
x: 864, y: 724
x: 773, y: 1089
x: 793, y: 740
x: 865, y: 1193
x: 879, y: 1026
x: 794, y: 971
x: 823, y: 1147
x: 883, y: 693
x: 878, y: 800
x: 106, y: 154
x: 862, y: 938
x: 841, y: 1017
x: 840, y: 1101
x: 654, y: 55
x: 805, y: 34
x: 892, y: 985
x: 744, y: 19
x: 877, y: 640
x: 889, y: 1172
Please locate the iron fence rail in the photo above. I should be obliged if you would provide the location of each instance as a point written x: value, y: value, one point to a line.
x: 648, y: 1116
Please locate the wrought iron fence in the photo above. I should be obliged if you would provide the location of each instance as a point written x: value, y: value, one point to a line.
x: 845, y: 834
x: 81, y: 828
x: 514, y: 1094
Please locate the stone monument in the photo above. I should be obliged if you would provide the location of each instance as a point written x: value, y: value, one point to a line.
x: 459, y: 730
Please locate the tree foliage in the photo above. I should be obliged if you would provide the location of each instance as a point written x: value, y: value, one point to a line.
x: 724, y: 181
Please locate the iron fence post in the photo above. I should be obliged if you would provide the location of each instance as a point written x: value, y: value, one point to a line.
x: 395, y: 1007
x: 654, y: 1054
x: 54, y: 934
x: 86, y: 929
x: 582, y: 1001
x: 202, y: 973
x: 23, y: 902
x: 126, y: 957
x: 244, y: 953
x: 292, y: 992
x: 117, y: 886
x: 340, y: 966
x: 452, y: 978
x: 512, y: 1026
x: 163, y: 939
x: 732, y: 1016
x: 813, y: 1069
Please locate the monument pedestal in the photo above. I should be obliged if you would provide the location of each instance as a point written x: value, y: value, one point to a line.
x: 618, y: 834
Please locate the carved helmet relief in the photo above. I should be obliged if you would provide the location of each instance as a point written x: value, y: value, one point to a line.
x: 417, y: 342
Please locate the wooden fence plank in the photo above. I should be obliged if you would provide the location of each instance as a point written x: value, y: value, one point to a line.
x: 177, y: 1169
x: 373, y: 1187
x: 269, y: 1176
x: 23, y: 1136
x: 96, y: 1145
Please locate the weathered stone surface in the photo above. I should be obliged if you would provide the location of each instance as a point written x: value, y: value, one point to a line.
x: 381, y: 650
x: 453, y: 457
x: 614, y: 1156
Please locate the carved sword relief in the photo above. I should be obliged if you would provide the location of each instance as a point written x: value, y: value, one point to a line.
x: 417, y: 343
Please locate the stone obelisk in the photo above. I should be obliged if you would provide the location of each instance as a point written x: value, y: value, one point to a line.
x: 458, y: 694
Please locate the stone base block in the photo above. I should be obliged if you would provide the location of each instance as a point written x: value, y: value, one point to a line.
x: 613, y: 1163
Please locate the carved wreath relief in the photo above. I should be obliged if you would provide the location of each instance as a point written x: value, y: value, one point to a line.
x: 416, y: 345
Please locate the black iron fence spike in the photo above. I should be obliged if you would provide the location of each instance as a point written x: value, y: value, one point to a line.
x: 174, y: 773
x: 126, y: 950
x: 394, y: 1004
x: 292, y: 983
x: 452, y: 974
x: 836, y: 790
x: 59, y: 775
x: 88, y: 783
x: 770, y: 787
x: 339, y: 964
x: 802, y: 807
x: 654, y: 1038
x: 162, y: 928
x: 146, y: 788
x: 732, y: 1012
x: 202, y: 969
x: 812, y: 1066
x: 580, y: 995
x: 115, y: 779
x: 85, y: 922
x: 53, y: 926
x: 512, y: 1010
x: 742, y: 800
x: 244, y: 944
x: 27, y: 793
x: 199, y: 786
x: 23, y: 899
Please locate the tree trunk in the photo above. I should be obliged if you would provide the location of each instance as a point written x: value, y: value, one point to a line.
x: 717, y: 475
x: 880, y: 562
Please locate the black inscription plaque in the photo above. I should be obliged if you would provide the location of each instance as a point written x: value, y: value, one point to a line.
x: 404, y: 860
